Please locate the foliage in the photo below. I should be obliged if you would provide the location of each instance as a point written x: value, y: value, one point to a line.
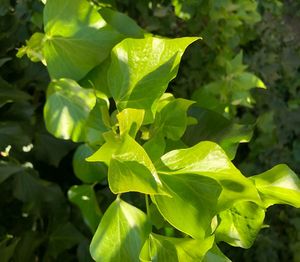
x: 35, y: 221
x: 196, y: 192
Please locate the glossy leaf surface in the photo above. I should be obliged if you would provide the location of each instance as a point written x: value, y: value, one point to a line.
x: 208, y: 159
x: 171, y: 120
x: 160, y: 248
x: 121, y: 234
x: 132, y: 170
x: 141, y: 69
x: 240, y: 224
x: 67, y: 108
x: 192, y: 203
x: 77, y: 38
x: 279, y: 185
x: 130, y: 121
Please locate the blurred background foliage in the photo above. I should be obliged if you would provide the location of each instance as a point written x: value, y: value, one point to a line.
x: 246, y: 47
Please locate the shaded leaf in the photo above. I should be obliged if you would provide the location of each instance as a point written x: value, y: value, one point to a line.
x: 214, y: 127
x: 84, y: 197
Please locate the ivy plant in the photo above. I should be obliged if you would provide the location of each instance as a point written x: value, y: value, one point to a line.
x: 173, y: 200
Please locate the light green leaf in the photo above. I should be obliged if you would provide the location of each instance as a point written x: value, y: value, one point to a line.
x: 130, y: 120
x: 171, y: 120
x: 97, y: 78
x: 122, y: 23
x: 240, y: 224
x: 67, y: 108
x: 208, y: 159
x: 215, y: 255
x: 86, y: 171
x: 105, y: 152
x: 246, y: 81
x: 141, y: 69
x: 131, y: 169
x: 215, y: 127
x: 121, y: 234
x: 84, y: 197
x: 155, y: 147
x: 77, y: 38
x: 98, y: 122
x: 279, y: 185
x: 160, y: 248
x: 192, y: 205
x: 33, y: 48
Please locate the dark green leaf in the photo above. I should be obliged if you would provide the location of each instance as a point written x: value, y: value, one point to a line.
x: 86, y: 171
x: 84, y: 197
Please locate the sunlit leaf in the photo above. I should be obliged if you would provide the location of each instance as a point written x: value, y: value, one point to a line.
x: 141, y: 69
x: 279, y: 185
x: 160, y: 248
x: 208, y: 159
x: 121, y: 234
x: 192, y: 203
x: 240, y: 224
x: 67, y: 108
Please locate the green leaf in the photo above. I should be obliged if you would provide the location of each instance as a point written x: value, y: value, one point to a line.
x: 77, y: 38
x: 130, y: 120
x: 97, y: 78
x: 160, y: 248
x: 192, y: 205
x: 67, y: 108
x: 33, y: 48
x: 84, y: 197
x: 27, y: 188
x: 105, y: 152
x: 7, y: 170
x: 121, y: 234
x: 246, y: 81
x: 215, y: 255
x: 141, y: 69
x: 215, y: 127
x: 240, y: 224
x: 87, y: 172
x: 171, y: 120
x: 155, y: 147
x: 7, y: 248
x: 98, y: 122
x: 208, y: 159
x: 279, y: 185
x: 122, y: 23
x: 63, y: 237
x: 132, y: 170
